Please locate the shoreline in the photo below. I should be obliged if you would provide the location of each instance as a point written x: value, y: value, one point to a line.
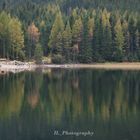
x: 123, y: 65
x: 105, y: 66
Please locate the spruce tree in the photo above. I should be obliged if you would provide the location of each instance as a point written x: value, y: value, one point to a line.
x: 38, y: 54
x: 137, y: 43
x: 67, y: 43
x: 97, y: 39
x: 4, y: 34
x: 132, y: 31
x: 119, y: 40
x: 90, y: 26
x: 11, y: 37
x: 16, y: 40
x: 77, y: 30
x: 126, y: 49
x: 33, y: 38
x: 106, y: 44
x: 85, y: 54
x: 55, y: 39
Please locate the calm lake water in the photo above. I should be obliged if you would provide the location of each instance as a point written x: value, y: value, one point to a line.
x: 40, y: 105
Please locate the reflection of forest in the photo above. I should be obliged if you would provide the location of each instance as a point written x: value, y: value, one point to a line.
x: 71, y: 95
x: 90, y: 94
x: 11, y: 94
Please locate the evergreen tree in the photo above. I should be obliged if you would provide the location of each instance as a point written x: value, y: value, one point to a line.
x: 33, y: 39
x: 43, y: 35
x: 97, y: 39
x: 90, y: 26
x: 67, y: 43
x: 85, y: 54
x: 38, y: 54
x: 77, y: 31
x: 132, y: 30
x: 119, y: 40
x: 55, y: 39
x: 11, y: 37
x: 137, y: 43
x: 90, y: 34
x: 4, y: 34
x: 106, y: 43
x: 16, y: 39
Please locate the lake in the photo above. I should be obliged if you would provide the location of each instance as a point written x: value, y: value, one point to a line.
x: 70, y: 104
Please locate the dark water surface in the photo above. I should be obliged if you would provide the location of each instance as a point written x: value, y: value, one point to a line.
x: 35, y: 105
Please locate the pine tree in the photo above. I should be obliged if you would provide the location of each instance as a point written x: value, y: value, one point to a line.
x: 126, y: 49
x: 90, y: 26
x: 119, y: 40
x: 106, y: 44
x: 132, y: 31
x: 97, y: 39
x: 113, y: 35
x: 77, y: 30
x: 57, y: 28
x: 38, y: 54
x: 55, y: 39
x: 67, y: 43
x: 4, y: 34
x: 16, y: 39
x: 33, y: 39
x: 137, y: 43
x: 11, y: 37
x: 85, y: 54
x: 43, y: 34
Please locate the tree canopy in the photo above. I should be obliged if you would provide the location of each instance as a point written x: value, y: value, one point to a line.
x: 71, y: 31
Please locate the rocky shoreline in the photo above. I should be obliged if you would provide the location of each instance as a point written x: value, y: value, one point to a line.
x: 16, y: 66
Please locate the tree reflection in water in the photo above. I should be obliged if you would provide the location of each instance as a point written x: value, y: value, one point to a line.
x: 33, y: 104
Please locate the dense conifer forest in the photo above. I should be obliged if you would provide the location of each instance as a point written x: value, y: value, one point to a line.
x: 70, y: 31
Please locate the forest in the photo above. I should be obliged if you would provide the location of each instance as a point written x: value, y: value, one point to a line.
x: 70, y: 31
